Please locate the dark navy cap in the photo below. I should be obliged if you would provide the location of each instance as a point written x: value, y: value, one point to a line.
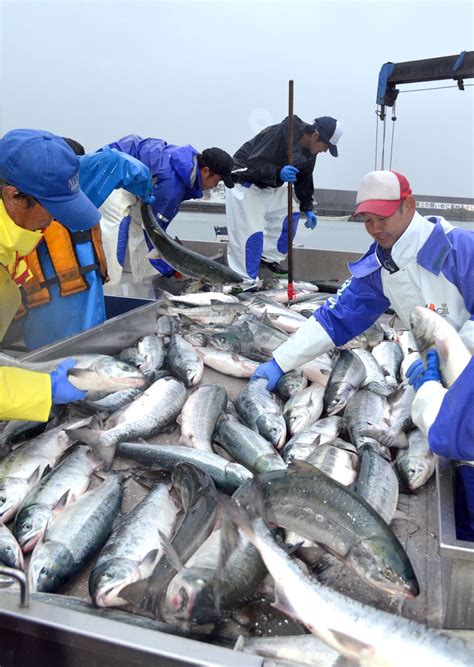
x: 42, y: 165
x: 220, y: 163
x: 330, y: 132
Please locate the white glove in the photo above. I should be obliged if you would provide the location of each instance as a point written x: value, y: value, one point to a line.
x: 308, y: 342
x: 426, y: 405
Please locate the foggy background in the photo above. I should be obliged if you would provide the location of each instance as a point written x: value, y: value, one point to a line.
x: 215, y: 73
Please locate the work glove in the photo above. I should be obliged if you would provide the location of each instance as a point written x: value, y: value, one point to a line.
x: 311, y: 220
x: 270, y: 371
x: 288, y: 173
x: 417, y: 374
x: 62, y: 391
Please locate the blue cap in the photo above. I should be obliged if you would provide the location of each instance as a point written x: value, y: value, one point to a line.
x: 42, y: 165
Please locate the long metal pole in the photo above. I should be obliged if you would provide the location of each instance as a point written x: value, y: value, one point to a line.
x: 291, y: 293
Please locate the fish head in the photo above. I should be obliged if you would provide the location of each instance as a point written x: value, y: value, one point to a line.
x: 416, y: 471
x: 384, y: 564
x: 193, y: 372
x: 225, y: 343
x: 51, y: 565
x: 109, y: 373
x: 30, y: 524
x: 191, y: 596
x: 297, y: 419
x: 423, y: 325
x: 273, y: 429
x: 12, y: 493
x: 10, y: 552
x: 108, y: 578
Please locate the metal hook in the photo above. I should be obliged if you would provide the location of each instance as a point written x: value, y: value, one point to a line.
x: 22, y: 580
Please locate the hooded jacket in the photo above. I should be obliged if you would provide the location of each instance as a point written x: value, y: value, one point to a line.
x: 23, y: 394
x: 265, y: 155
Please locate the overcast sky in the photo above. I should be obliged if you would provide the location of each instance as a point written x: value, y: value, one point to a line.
x: 215, y: 73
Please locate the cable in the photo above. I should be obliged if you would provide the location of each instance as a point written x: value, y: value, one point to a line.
x: 383, y: 143
x: 417, y: 90
x: 376, y: 137
x: 394, y: 118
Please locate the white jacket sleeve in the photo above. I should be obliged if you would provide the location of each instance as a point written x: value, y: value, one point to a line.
x: 308, y: 342
x: 426, y: 405
x: 467, y: 334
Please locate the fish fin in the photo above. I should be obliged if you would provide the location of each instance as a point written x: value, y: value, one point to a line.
x: 170, y: 552
x: 239, y: 644
x: 153, y: 254
x: 135, y: 593
x: 351, y: 645
x: 149, y: 561
x: 61, y: 504
x: 37, y: 474
x: 298, y: 465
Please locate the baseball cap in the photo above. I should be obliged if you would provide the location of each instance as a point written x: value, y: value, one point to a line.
x: 42, y: 165
x: 381, y: 192
x: 220, y: 163
x: 330, y: 132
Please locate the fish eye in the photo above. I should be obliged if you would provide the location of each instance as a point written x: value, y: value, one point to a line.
x: 388, y: 572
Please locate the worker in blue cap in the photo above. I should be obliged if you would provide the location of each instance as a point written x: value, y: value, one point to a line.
x: 65, y: 295
x: 39, y: 181
x: 257, y: 208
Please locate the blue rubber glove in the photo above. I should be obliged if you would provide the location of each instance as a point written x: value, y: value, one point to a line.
x: 270, y: 371
x: 311, y: 220
x: 288, y: 173
x: 417, y: 374
x: 62, y: 390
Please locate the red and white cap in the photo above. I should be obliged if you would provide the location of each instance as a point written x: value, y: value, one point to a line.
x: 381, y: 192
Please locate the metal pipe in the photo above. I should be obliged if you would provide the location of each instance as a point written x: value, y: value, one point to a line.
x: 23, y: 581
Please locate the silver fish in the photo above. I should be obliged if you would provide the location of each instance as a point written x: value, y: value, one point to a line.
x: 377, y: 484
x: 227, y: 363
x: 346, y: 377
x: 199, y: 416
x: 296, y: 649
x: 304, y: 408
x: 389, y: 355
x: 184, y: 361
x: 247, y: 447
x: 417, y: 463
x: 291, y: 383
x: 259, y: 410
x: 430, y: 329
x: 365, y: 415
x: 227, y: 475
x: 199, y: 298
x: 368, y: 635
x: 303, y: 443
x: 152, y: 352
x: 134, y: 547
x: 368, y: 339
x: 337, y: 459
x: 374, y: 379
x: 77, y: 533
x: 62, y: 486
x: 217, y: 313
x: 10, y: 551
x: 186, y: 261
x: 26, y: 465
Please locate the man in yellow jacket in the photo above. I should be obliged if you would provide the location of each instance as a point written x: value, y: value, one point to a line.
x: 39, y: 181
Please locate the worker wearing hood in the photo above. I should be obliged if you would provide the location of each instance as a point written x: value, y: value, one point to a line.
x: 178, y: 173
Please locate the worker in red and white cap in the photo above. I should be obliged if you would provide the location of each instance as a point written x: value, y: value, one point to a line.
x: 415, y: 261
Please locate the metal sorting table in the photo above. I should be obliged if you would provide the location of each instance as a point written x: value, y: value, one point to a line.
x: 457, y: 556
x: 67, y: 636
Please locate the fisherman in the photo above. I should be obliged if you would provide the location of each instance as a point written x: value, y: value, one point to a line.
x: 446, y: 417
x: 178, y: 173
x: 257, y: 208
x: 415, y: 261
x: 65, y: 294
x: 39, y: 180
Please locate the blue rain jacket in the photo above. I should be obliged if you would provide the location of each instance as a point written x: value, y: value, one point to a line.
x: 175, y: 177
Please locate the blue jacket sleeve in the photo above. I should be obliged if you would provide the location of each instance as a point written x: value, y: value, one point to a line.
x: 168, y: 191
x: 459, y: 266
x: 355, y: 307
x: 452, y: 433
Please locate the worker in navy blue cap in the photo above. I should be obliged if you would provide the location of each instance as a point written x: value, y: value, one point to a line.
x: 257, y: 208
x: 39, y: 180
